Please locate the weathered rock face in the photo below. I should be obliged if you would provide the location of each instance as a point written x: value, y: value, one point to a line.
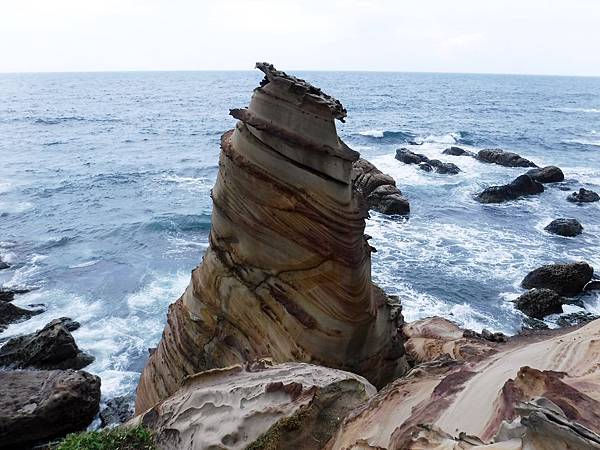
x: 549, y: 174
x: 520, y: 187
x: 40, y: 405
x: 288, y: 270
x: 261, y: 406
x: 52, y: 347
x: 565, y: 279
x: 468, y: 395
x: 378, y: 189
x: 508, y: 159
x: 564, y: 227
x: 583, y: 196
x: 539, y: 303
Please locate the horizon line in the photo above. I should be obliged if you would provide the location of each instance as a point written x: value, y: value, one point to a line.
x: 33, y: 72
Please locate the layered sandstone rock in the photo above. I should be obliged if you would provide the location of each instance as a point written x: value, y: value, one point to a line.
x: 537, y: 393
x: 259, y: 406
x: 288, y: 272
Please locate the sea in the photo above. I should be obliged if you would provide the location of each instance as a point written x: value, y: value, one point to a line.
x: 105, y: 185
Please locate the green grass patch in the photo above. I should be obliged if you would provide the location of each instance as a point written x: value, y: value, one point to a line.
x: 138, y: 438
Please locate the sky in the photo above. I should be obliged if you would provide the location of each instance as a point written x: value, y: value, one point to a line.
x: 559, y: 37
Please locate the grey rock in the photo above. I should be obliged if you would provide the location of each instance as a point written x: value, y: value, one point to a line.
x: 8, y: 295
x: 457, y: 151
x: 583, y: 196
x: 569, y: 320
x: 564, y: 227
x: 529, y: 323
x: 549, y: 174
x: 10, y: 313
x: 407, y: 157
x: 508, y: 159
x: 565, y: 279
x: 118, y: 410
x: 426, y: 167
x: 521, y: 186
x: 378, y: 189
x: 539, y: 303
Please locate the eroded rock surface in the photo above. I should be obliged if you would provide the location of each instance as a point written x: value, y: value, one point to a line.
x: 259, y: 406
x: 503, y: 158
x: 539, y: 303
x: 520, y: 187
x: 378, y: 189
x: 466, y: 395
x: 288, y: 270
x: 39, y: 405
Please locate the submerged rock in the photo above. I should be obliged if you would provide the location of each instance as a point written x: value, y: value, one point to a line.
x: 521, y: 186
x: 40, y: 405
x: 565, y: 279
x: 52, y: 347
x: 288, y: 270
x: 378, y: 189
x: 508, y: 159
x: 549, y: 174
x: 583, y: 196
x: 539, y: 303
x: 457, y: 151
x: 10, y: 313
x: 263, y: 406
x: 564, y: 227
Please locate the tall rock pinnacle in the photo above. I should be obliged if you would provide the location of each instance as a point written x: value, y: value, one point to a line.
x: 287, y: 274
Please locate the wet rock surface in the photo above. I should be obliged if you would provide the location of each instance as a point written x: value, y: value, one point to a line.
x: 520, y: 187
x: 457, y: 151
x: 583, y: 196
x: 577, y: 318
x: 549, y: 174
x: 565, y: 279
x: 428, y: 165
x: 564, y: 227
x: 10, y: 313
x: 378, y: 189
x: 52, y: 347
x: 41, y: 405
x: 8, y: 295
x: 503, y: 158
x: 539, y: 303
x: 117, y: 410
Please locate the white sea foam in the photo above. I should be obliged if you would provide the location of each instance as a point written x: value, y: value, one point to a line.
x: 372, y: 133
x: 584, y: 141
x: 190, y: 183
x: 580, y: 110
x: 85, y: 264
x: 448, y: 138
x: 15, y: 207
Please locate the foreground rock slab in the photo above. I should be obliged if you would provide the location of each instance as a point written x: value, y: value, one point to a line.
x: 378, y: 189
x: 287, y: 274
x: 52, y: 347
x: 41, y: 405
x: 565, y: 279
x: 260, y: 406
x: 520, y: 187
x: 467, y: 394
x: 564, y: 227
x: 503, y: 158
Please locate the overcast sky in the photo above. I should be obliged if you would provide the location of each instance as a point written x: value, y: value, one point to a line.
x: 493, y: 36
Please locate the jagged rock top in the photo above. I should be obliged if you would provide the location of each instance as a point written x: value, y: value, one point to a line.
x: 301, y: 88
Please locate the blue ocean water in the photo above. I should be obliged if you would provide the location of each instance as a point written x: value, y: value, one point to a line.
x: 105, y: 182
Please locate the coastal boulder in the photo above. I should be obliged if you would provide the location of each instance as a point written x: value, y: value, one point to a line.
x: 508, y: 159
x: 444, y: 168
x: 539, y: 303
x: 407, y: 157
x: 564, y: 227
x: 38, y: 405
x: 583, y: 196
x: 521, y: 186
x: 549, y: 174
x: 565, y: 279
x: 457, y: 151
x: 10, y: 313
x: 3, y: 265
x: 378, y: 189
x: 52, y: 347
x: 8, y: 295
x: 266, y: 406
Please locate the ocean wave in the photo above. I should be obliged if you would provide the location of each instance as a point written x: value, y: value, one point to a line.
x: 580, y: 110
x: 595, y: 143
x: 93, y: 262
x: 200, y: 184
x: 65, y: 119
x: 180, y: 222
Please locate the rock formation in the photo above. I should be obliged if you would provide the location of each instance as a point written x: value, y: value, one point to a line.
x: 583, y: 196
x: 38, y: 405
x: 549, y: 174
x: 564, y: 227
x: 260, y: 406
x: 457, y: 151
x: 508, y: 159
x: 521, y: 186
x: 538, y: 392
x: 287, y: 274
x: 539, y: 303
x: 565, y: 279
x: 378, y: 189
x: 429, y: 165
x: 10, y: 313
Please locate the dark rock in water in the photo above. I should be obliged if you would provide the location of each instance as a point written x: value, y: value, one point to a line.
x: 410, y: 142
x: 8, y: 295
x: 529, y: 323
x: 564, y: 227
x: 539, y: 303
x: 52, y: 347
x: 40, y: 405
x: 521, y: 186
x: 442, y: 167
x: 564, y: 188
x: 583, y: 196
x: 569, y: 320
x: 10, y: 313
x: 118, y: 410
x: 565, y: 279
x: 593, y: 285
x: 508, y: 159
x: 4, y: 265
x: 67, y: 322
x: 550, y: 174
x: 378, y: 189
x: 407, y: 157
x: 457, y: 151
x: 485, y: 334
x: 426, y: 167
